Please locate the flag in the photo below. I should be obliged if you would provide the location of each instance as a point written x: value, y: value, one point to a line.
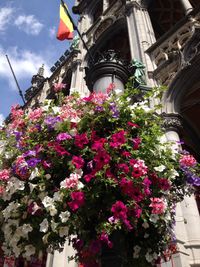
x: 65, y: 29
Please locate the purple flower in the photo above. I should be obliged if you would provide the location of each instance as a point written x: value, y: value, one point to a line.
x: 29, y: 153
x: 99, y: 108
x: 51, y: 121
x: 114, y: 110
x: 33, y: 162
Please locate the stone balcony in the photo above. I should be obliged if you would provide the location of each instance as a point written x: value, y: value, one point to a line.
x: 176, y: 49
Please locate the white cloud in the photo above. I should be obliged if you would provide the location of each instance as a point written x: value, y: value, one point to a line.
x: 29, y: 24
x: 1, y: 119
x: 24, y: 62
x: 52, y: 32
x: 5, y: 17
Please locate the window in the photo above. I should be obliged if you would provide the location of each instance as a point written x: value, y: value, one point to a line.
x: 98, y: 10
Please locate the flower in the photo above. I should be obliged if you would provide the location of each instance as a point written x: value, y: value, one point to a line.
x: 4, y: 175
x: 58, y: 87
x: 44, y: 225
x: 90, y: 167
x: 158, y: 206
x: 118, y: 139
x: 78, y: 162
x: 78, y: 200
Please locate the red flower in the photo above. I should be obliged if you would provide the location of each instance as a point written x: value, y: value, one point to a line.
x: 81, y: 140
x: 78, y: 162
x: 78, y: 200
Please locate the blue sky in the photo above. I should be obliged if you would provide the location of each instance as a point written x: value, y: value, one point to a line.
x: 28, y: 36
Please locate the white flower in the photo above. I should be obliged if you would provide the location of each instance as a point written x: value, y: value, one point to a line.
x: 57, y: 196
x: 160, y: 168
x: 136, y: 252
x: 64, y: 216
x: 53, y: 225
x: 56, y: 110
x: 29, y: 250
x: 173, y: 174
x: 44, y: 225
x: 154, y: 218
x: 32, y: 186
x: 10, y: 210
x: 63, y: 231
x: 48, y: 176
x: 80, y: 185
x: 47, y: 202
x: 149, y: 257
x: 145, y: 225
x: 35, y: 173
x: 53, y: 211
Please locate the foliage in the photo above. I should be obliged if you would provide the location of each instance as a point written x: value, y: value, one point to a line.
x: 86, y: 168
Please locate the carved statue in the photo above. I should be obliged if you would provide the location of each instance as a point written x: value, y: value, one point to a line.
x: 139, y: 73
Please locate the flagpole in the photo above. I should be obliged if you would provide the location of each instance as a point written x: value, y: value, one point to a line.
x: 76, y: 28
x: 19, y: 89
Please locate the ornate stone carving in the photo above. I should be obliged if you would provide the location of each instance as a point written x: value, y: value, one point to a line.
x: 172, y: 121
x: 105, y: 24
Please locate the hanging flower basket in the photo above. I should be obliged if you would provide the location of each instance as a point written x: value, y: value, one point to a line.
x: 88, y: 169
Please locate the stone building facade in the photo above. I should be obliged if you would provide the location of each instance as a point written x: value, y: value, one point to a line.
x: 165, y: 36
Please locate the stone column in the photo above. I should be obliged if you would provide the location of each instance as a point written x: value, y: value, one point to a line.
x: 186, y: 6
x: 141, y: 36
x: 187, y: 216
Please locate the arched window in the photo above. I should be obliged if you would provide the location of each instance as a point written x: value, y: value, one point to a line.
x: 164, y: 15
x: 97, y: 11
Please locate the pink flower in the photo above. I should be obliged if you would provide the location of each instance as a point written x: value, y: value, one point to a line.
x: 58, y: 87
x: 110, y: 88
x: 4, y: 175
x: 118, y: 139
x: 16, y: 112
x: 35, y: 115
x: 81, y: 140
x: 187, y: 161
x: 139, y: 168
x: 158, y: 206
x: 78, y: 200
x: 63, y: 137
x: 72, y: 181
x: 88, y: 177
x: 78, y: 162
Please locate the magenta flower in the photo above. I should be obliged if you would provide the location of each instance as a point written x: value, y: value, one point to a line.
x: 118, y: 139
x: 102, y: 158
x: 78, y: 200
x: 63, y: 137
x: 99, y: 144
x: 78, y: 162
x: 81, y: 140
x: 119, y: 210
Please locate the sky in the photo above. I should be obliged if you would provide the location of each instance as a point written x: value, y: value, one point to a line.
x: 28, y: 36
